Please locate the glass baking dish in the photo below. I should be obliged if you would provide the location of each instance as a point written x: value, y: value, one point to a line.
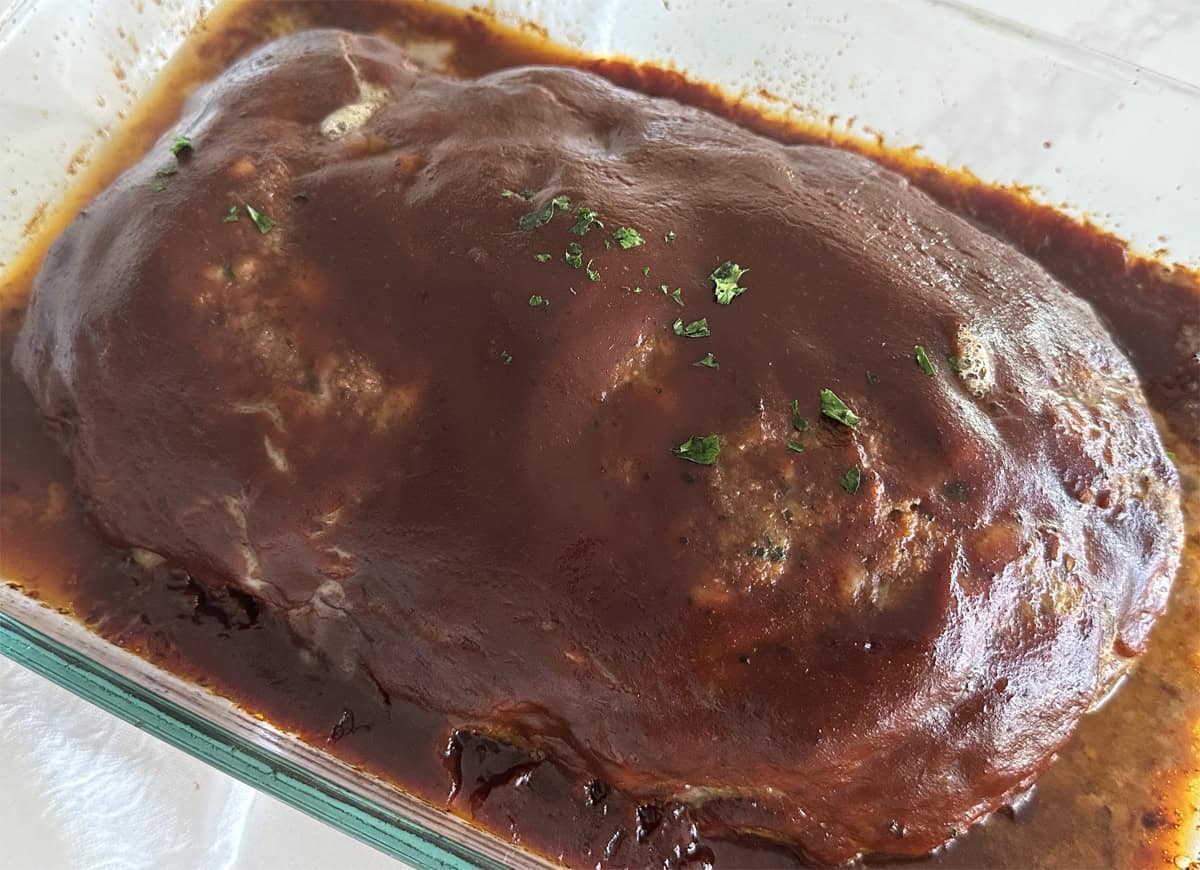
x: 970, y: 90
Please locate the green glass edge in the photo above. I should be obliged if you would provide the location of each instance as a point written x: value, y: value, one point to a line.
x: 254, y: 765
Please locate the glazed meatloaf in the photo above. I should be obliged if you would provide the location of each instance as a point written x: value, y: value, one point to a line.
x: 734, y: 474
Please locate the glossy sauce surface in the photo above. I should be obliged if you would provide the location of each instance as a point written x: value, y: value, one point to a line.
x: 505, y: 788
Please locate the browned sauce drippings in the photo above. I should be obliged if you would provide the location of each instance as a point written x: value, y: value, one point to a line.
x: 1122, y: 794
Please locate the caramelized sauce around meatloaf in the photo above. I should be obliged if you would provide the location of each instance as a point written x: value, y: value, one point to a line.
x: 331, y: 363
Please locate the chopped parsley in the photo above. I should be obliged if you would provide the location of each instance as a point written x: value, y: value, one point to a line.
x: 158, y: 185
x: 709, y: 362
x: 592, y: 273
x: 923, y: 360
x: 836, y: 409
x: 669, y: 236
x: 872, y: 378
x: 180, y: 144
x: 585, y: 219
x: 574, y: 255
x: 952, y: 361
x: 725, y: 282
x: 851, y: 480
x: 506, y: 357
x: 261, y: 221
x: 526, y: 195
x: 628, y: 237
x: 700, y: 449
x: 535, y: 301
x: 695, y: 329
x: 676, y: 294
x: 646, y: 271
x: 540, y: 217
x: 231, y: 216
x: 636, y: 290
x: 798, y: 422
x: 1172, y: 457
x: 542, y: 258
x: 795, y: 446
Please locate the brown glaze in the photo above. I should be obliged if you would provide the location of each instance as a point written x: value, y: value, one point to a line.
x: 543, y: 477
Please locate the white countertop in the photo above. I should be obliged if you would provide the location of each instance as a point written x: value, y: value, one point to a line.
x: 82, y: 789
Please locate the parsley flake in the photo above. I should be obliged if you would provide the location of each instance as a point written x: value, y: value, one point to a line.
x: 261, y: 221
x: 836, y: 409
x: 795, y: 446
x: 541, y: 258
x: 535, y: 301
x: 872, y: 378
x: 180, y: 144
x: 709, y: 362
x: 952, y: 361
x: 526, y: 195
x: 540, y: 217
x: 700, y: 449
x: 669, y: 236
x: 646, y: 271
x: 851, y: 480
x: 636, y: 290
x: 585, y: 219
x: 592, y: 273
x: 574, y: 255
x: 628, y: 237
x: 231, y: 216
x: 676, y: 294
x: 725, y: 282
x: 695, y: 329
x: 798, y: 422
x: 923, y: 360
x: 506, y: 357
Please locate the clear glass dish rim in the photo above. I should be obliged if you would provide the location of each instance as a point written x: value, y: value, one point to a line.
x: 211, y: 729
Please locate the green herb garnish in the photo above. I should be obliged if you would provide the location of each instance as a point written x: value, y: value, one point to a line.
x: 535, y: 301
x: 676, y: 294
x: 506, y: 357
x: 526, y: 195
x: 795, y: 446
x: 541, y: 217
x: 592, y: 273
x: 700, y: 449
x: 636, y: 290
x: 231, y: 216
x: 261, y: 221
x: 725, y: 282
x: 574, y: 255
x: 695, y: 329
x: 952, y: 361
x: 646, y: 271
x: 669, y: 236
x: 923, y: 360
x: 851, y: 480
x: 798, y: 422
x: 180, y: 144
x: 872, y: 378
x: 836, y: 409
x: 585, y: 219
x: 709, y: 362
x: 541, y: 258
x: 628, y: 237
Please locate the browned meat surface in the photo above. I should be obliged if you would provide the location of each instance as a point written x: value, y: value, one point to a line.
x: 360, y: 417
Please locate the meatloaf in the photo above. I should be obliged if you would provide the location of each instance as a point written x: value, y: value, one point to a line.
x: 732, y: 473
